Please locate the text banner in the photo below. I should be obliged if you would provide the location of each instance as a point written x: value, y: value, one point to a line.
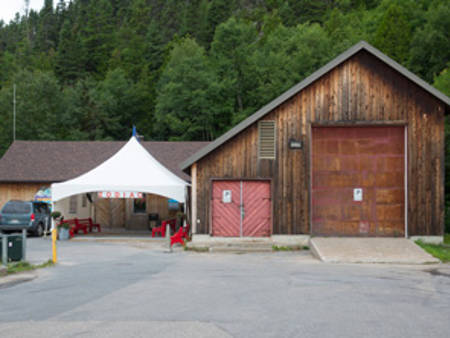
x: 120, y: 194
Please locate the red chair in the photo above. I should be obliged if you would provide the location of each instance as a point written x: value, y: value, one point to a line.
x: 180, y: 234
x: 88, y: 224
x: 172, y: 223
x: 162, y: 228
x: 159, y: 230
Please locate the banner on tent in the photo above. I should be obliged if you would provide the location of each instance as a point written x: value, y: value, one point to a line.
x: 120, y: 194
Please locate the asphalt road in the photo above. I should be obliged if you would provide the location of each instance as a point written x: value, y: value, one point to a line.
x: 125, y: 290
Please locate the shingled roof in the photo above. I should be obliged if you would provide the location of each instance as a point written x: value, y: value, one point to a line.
x: 56, y: 161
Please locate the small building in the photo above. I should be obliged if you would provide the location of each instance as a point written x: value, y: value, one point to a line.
x: 31, y: 166
x: 355, y: 149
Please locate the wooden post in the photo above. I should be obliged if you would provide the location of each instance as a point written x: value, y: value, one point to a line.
x: 24, y: 243
x: 54, y: 237
x: 194, y: 198
x: 54, y: 253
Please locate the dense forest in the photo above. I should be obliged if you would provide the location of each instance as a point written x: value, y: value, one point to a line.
x: 191, y: 69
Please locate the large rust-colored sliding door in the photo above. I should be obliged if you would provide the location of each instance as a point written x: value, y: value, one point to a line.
x: 358, y: 180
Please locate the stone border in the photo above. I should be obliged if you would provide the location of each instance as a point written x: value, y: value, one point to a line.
x: 428, y: 239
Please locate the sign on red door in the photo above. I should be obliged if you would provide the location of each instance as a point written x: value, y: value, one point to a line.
x: 241, y: 208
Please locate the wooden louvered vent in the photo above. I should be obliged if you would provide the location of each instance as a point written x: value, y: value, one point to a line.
x: 267, y: 140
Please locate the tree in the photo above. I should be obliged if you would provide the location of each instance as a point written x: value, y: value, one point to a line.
x: 344, y: 29
x: 393, y: 36
x: 8, y: 67
x: 70, y: 56
x: 189, y: 104
x: 219, y: 11
x: 234, y: 43
x: 130, y: 47
x: 47, y: 31
x: 117, y: 105
x: 288, y: 56
x: 430, y: 48
x: 98, y: 37
x: 39, y: 106
x: 80, y: 110
x: 302, y: 11
x: 442, y: 82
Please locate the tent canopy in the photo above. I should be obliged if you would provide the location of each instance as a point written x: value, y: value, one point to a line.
x: 132, y: 168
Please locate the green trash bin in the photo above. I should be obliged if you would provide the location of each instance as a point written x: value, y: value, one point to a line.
x: 14, y: 248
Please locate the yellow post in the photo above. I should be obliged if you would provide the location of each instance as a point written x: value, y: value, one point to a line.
x: 54, y: 235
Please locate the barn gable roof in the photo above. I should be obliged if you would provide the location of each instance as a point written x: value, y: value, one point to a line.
x: 56, y: 161
x: 362, y: 45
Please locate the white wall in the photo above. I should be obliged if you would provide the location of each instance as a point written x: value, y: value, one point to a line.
x: 63, y: 206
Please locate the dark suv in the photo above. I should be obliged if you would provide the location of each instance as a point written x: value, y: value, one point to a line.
x: 33, y: 216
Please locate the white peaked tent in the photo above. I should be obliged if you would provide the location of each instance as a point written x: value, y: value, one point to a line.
x: 131, y: 169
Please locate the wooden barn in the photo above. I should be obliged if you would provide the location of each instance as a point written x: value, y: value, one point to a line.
x: 355, y: 149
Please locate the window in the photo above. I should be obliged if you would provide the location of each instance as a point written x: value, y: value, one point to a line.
x: 266, y: 140
x: 140, y: 205
x: 73, y: 204
x: 45, y: 208
x: 84, y: 201
x: 16, y: 207
x: 37, y: 208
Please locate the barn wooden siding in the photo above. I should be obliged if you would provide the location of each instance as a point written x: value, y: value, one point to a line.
x: 361, y: 91
x: 19, y: 191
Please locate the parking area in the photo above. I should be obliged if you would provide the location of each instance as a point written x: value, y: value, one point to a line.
x: 138, y: 289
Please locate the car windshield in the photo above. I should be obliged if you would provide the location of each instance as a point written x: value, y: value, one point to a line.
x: 16, y: 208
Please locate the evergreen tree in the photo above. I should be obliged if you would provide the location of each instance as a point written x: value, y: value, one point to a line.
x: 219, y: 11
x: 39, y: 105
x: 98, y: 36
x: 47, y: 30
x: 393, y: 36
x: 69, y: 59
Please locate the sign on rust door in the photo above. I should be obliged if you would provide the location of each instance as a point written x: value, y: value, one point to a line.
x: 241, y: 208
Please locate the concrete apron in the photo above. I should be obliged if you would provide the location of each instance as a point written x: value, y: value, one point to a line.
x: 369, y: 250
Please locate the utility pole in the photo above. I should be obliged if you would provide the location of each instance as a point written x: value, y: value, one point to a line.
x: 14, y: 112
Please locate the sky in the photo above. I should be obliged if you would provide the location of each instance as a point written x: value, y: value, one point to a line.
x: 9, y: 8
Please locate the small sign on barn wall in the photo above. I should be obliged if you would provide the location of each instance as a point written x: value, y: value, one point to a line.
x: 119, y: 194
x: 357, y: 194
x: 364, y: 227
x: 226, y: 196
x: 295, y: 144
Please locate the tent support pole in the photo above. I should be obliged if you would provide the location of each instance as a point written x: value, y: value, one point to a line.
x: 54, y: 235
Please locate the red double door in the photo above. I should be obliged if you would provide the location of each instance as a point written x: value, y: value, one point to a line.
x: 241, y: 208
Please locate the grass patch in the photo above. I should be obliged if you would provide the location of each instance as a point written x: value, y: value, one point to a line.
x: 440, y: 251
x: 447, y: 239
x: 25, y: 266
x: 196, y: 249
x: 289, y: 248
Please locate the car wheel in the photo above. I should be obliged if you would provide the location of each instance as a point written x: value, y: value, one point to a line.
x: 39, y: 230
